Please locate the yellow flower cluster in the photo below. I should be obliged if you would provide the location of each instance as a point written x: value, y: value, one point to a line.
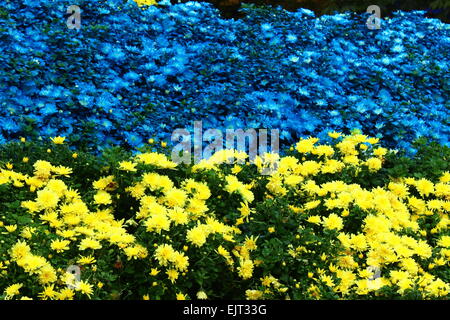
x: 167, y: 256
x: 352, y: 241
x: 70, y: 220
x: 234, y: 185
x: 391, y: 214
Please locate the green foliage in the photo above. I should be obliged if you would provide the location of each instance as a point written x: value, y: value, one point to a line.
x: 430, y: 160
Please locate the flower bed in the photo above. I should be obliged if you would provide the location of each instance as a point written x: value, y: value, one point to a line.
x: 346, y: 220
x: 84, y: 216
x: 132, y: 73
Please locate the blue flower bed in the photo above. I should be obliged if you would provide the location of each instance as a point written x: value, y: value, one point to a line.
x: 130, y: 74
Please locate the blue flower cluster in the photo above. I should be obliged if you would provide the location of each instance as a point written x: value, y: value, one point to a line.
x: 130, y: 74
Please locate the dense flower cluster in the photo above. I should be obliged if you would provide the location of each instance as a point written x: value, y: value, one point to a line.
x: 149, y: 228
x: 133, y: 72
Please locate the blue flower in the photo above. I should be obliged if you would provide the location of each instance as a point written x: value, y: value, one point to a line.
x: 147, y: 72
x: 49, y: 108
x: 9, y: 125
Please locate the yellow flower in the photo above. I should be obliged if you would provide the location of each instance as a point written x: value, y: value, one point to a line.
x: 314, y: 219
x: 62, y: 171
x: 444, y: 241
x: 156, y: 159
x: 20, y: 250
x: 176, y: 197
x: 155, y: 181
x: 178, y: 216
x: 85, y: 288
x: 445, y: 178
x: 245, y: 210
x: 47, y: 274
x: 374, y: 164
x: 223, y: 252
x: 89, y: 243
x: 66, y: 294
x: 236, y: 169
x: 48, y: 293
x: 172, y: 274
x: 234, y: 185
x: 60, y: 245
x: 133, y: 252
x: 424, y: 187
x: 293, y: 180
x: 327, y: 280
x: 180, y: 261
x: 347, y: 147
x: 253, y: 294
x: 250, y: 243
x: 146, y: 297
x: 323, y: 150
x: 163, y: 144
x: 245, y: 269
x: 201, y: 295
x: 164, y: 253
x: 158, y: 222
x: 334, y: 134
x: 127, y: 166
x: 11, y: 228
x: 146, y: 2
x: 75, y: 155
x: 438, y: 288
x: 310, y: 168
x: 306, y: 145
x: 379, y: 152
x: 102, y: 197
x: 400, y: 189
x: 372, y: 140
x: 358, y: 242
x: 181, y: 296
x: 154, y: 272
x: 58, y: 140
x: 86, y: 260
x: 56, y: 186
x: 312, y: 204
x: 333, y: 222
x: 47, y: 199
x: 197, y: 235
x: 12, y: 290
x: 25, y: 159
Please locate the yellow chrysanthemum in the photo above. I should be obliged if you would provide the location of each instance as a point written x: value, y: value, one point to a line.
x: 12, y: 290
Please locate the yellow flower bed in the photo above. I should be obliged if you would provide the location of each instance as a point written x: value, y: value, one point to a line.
x: 149, y: 228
